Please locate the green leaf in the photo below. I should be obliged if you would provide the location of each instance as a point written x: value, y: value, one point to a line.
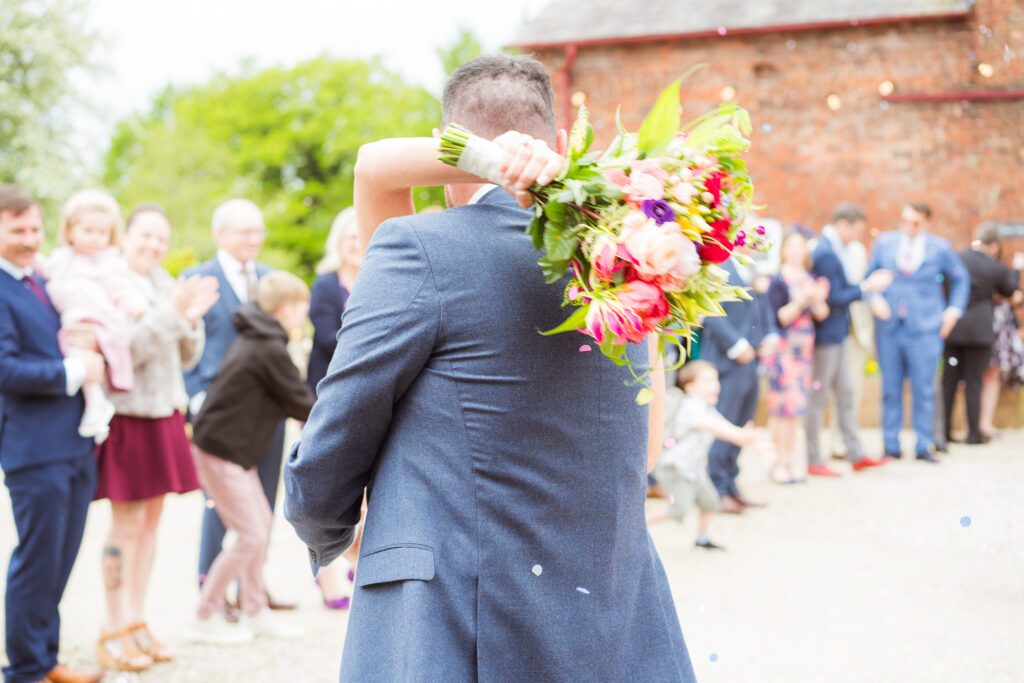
x: 574, y: 322
x: 662, y: 121
x: 644, y: 396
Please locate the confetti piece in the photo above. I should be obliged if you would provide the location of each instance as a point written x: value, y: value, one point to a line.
x: 883, y: 106
x: 714, y: 657
x: 670, y: 442
x: 671, y: 499
x: 953, y: 361
x: 537, y: 570
x: 585, y: 348
x: 791, y: 44
x: 970, y: 56
x: 965, y: 521
x: 211, y: 503
x: 851, y: 47
x: 583, y: 590
x: 722, y: 30
x: 834, y: 102
x: 767, y: 127
x: 816, y: 386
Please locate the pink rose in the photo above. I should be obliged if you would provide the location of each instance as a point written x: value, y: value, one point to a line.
x: 643, y: 186
x: 651, y: 167
x: 617, y: 176
x: 662, y: 254
x: 682, y: 192
x: 633, y: 221
x: 645, y: 300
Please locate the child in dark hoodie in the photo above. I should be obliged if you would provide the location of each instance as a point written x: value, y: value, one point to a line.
x: 257, y: 385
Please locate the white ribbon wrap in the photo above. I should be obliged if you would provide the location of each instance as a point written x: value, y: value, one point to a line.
x: 481, y: 158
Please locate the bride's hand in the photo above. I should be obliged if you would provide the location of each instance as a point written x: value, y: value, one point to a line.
x: 526, y: 161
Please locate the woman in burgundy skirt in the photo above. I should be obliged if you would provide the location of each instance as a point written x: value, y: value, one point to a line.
x: 147, y: 453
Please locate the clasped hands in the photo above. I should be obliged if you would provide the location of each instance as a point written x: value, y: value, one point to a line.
x: 525, y: 161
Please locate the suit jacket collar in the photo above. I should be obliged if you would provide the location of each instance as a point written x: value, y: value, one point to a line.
x: 16, y: 272
x: 227, y: 292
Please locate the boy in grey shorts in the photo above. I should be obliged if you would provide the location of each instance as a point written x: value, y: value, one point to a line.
x: 683, y: 467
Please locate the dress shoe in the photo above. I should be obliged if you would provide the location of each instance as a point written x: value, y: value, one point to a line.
x: 731, y: 506
x: 866, y: 462
x: 742, y: 500
x: 928, y: 457
x: 822, y: 470
x: 977, y: 440
x: 709, y: 545
x: 62, y: 674
x: 279, y: 606
x: 941, y: 448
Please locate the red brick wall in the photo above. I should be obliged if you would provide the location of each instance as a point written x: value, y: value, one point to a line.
x: 966, y: 159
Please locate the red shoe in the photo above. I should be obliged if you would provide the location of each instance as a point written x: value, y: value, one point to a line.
x: 866, y: 462
x: 822, y: 470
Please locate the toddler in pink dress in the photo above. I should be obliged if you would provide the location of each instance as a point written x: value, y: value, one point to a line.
x: 89, y: 281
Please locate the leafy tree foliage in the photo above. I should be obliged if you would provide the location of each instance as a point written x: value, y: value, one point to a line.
x: 285, y: 138
x: 43, y: 47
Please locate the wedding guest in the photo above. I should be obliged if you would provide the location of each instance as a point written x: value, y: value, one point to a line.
x: 49, y: 468
x: 831, y: 371
x: 1006, y: 367
x: 147, y: 454
x: 913, y: 318
x: 969, y: 345
x: 336, y: 275
x: 446, y: 403
x: 90, y: 282
x: 732, y: 344
x: 239, y: 232
x: 683, y: 467
x: 256, y: 387
x: 798, y: 301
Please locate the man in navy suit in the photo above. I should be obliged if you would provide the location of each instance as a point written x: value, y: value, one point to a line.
x: 49, y: 469
x: 732, y: 343
x: 831, y: 369
x: 505, y: 471
x: 913, y: 318
x: 239, y: 232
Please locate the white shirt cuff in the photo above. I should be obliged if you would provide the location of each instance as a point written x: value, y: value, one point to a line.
x: 74, y: 375
x: 955, y: 311
x: 196, y: 403
x: 737, y: 349
x: 770, y: 340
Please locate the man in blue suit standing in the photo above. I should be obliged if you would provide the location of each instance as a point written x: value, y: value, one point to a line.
x: 831, y: 368
x: 505, y: 471
x: 49, y: 469
x: 239, y: 232
x: 732, y: 344
x: 913, y: 318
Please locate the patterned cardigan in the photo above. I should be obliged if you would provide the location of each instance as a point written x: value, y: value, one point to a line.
x: 162, y: 345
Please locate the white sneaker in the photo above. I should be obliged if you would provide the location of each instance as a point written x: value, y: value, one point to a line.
x: 217, y: 630
x: 269, y: 625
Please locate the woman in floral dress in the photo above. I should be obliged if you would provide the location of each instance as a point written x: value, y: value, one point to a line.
x: 797, y: 300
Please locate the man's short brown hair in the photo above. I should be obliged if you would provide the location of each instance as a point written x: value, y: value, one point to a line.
x: 846, y: 211
x: 278, y: 289
x: 921, y: 208
x: 15, y: 200
x: 493, y: 94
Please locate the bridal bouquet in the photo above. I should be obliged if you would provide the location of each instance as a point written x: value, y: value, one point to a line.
x: 641, y: 226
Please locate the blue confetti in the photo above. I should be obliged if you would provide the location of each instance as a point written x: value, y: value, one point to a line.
x: 767, y: 128
x: 583, y: 590
x: 965, y: 521
x: 714, y: 657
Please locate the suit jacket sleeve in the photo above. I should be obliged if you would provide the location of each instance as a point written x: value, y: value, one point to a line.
x: 26, y: 376
x: 391, y: 325
x: 960, y: 281
x: 828, y: 266
x: 1008, y: 281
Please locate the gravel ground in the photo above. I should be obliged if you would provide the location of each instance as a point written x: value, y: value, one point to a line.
x: 872, y: 577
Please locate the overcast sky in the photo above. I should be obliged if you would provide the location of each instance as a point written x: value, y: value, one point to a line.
x: 154, y: 42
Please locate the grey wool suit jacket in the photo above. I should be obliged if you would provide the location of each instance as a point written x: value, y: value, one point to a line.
x: 505, y: 536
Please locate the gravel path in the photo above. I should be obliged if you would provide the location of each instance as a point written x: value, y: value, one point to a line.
x: 872, y: 577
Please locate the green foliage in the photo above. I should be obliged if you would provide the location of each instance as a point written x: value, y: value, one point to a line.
x: 661, y: 123
x: 464, y: 48
x: 42, y: 46
x: 285, y: 138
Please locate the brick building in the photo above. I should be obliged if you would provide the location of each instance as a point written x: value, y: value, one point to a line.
x: 873, y: 101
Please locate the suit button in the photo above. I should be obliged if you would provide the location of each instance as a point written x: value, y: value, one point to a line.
x: 312, y: 554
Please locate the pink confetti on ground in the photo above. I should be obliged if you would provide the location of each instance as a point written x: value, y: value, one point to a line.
x: 585, y: 348
x: 583, y: 590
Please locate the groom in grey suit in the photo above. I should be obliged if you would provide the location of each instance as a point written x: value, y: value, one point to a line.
x: 505, y: 536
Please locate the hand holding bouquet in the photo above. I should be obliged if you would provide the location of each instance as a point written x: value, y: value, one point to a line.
x: 640, y: 227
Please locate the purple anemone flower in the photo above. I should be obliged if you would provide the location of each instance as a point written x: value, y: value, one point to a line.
x: 659, y: 210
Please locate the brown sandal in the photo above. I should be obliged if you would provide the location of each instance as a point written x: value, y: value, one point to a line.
x: 147, y: 643
x: 118, y: 651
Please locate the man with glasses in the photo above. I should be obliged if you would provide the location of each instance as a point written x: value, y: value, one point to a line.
x: 238, y: 231
x: 914, y: 316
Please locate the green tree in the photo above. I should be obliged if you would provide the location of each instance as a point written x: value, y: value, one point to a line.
x: 285, y: 138
x: 465, y: 47
x: 43, y: 47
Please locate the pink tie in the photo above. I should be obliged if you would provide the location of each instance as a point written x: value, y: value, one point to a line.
x: 36, y: 289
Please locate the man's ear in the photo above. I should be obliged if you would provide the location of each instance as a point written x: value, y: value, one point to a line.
x: 561, y: 141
